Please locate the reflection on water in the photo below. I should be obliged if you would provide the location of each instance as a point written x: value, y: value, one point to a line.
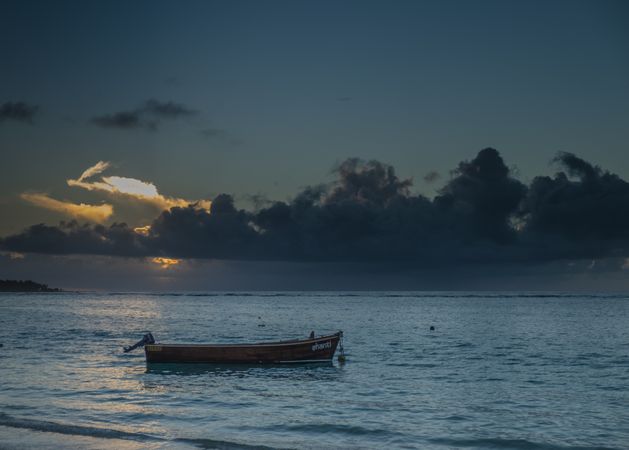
x: 270, y: 370
x: 204, y: 378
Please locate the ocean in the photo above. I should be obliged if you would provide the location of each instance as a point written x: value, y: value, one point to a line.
x: 499, y: 371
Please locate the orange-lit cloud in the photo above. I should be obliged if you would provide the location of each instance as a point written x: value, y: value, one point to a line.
x: 165, y: 263
x: 94, y: 213
x: 130, y: 187
x: 97, y: 168
x: 144, y: 231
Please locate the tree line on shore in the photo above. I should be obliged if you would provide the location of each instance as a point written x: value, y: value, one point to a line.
x: 25, y: 286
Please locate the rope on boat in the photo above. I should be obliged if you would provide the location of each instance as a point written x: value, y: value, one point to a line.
x: 146, y: 339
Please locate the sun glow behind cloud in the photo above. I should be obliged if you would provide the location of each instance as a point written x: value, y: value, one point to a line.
x: 131, y: 188
x: 166, y: 263
x: 144, y: 231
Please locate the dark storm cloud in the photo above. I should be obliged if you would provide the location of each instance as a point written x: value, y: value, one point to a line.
x: 18, y: 111
x: 582, y: 204
x: 73, y: 238
x: 223, y: 233
x: 482, y: 197
x: 147, y: 116
x: 482, y: 215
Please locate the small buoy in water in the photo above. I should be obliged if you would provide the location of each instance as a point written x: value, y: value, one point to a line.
x: 341, y: 358
x: 432, y: 328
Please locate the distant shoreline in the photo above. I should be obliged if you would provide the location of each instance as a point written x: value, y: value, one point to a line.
x: 25, y: 286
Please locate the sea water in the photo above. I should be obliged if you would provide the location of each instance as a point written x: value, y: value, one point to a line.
x: 500, y: 370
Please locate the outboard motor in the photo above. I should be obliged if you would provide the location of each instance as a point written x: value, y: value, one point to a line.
x: 147, y: 339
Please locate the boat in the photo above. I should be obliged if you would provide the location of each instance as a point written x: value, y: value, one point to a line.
x: 312, y: 350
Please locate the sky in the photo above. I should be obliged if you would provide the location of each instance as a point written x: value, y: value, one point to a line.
x: 315, y: 145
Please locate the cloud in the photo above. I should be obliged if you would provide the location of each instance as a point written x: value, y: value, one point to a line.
x: 585, y: 206
x: 18, y: 111
x: 482, y: 215
x: 130, y: 188
x: 146, y: 116
x: 167, y: 110
x: 482, y: 197
x: 73, y: 238
x: 432, y: 176
x: 366, y: 183
x: 97, y: 168
x: 124, y: 120
x: 144, y: 231
x: 93, y: 213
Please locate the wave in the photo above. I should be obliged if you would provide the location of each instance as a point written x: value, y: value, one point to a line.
x: 352, y: 430
x: 224, y: 445
x: 513, y: 444
x: 106, y: 433
x: 76, y: 430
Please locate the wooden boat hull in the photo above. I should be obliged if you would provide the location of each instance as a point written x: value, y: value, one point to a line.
x: 319, y: 349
